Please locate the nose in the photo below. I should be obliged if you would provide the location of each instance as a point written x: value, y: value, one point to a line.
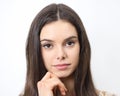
x: 61, y: 53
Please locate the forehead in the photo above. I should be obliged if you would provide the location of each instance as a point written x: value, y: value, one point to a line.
x: 58, y: 29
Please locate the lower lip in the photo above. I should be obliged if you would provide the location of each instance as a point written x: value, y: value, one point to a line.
x: 62, y: 67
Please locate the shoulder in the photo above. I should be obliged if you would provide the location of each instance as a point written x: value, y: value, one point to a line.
x: 104, y: 93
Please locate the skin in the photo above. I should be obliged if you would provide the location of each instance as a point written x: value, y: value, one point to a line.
x: 60, y: 50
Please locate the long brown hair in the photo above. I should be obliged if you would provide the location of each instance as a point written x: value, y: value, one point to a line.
x: 35, y: 67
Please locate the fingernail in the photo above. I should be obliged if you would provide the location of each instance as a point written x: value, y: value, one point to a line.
x: 63, y: 93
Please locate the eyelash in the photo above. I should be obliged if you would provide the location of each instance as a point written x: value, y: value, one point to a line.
x: 67, y: 44
x: 47, y: 46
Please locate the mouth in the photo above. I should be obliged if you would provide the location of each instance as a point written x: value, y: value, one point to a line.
x: 61, y: 66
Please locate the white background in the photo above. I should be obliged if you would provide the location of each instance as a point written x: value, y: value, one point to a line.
x: 101, y: 19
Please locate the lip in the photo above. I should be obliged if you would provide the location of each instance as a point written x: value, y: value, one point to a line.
x: 61, y: 66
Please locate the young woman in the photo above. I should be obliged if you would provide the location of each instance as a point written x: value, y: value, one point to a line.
x: 58, y: 55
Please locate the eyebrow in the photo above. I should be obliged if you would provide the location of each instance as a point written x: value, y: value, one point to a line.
x: 71, y: 37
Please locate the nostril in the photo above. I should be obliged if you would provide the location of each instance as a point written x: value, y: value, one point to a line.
x: 60, y: 57
x: 61, y: 53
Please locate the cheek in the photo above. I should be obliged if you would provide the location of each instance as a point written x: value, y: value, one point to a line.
x: 47, y: 58
x: 75, y: 55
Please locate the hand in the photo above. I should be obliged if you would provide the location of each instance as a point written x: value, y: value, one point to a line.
x: 48, y: 83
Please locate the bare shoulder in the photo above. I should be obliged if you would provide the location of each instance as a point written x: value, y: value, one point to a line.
x: 104, y: 93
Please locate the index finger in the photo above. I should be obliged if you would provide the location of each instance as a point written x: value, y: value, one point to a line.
x: 47, y: 76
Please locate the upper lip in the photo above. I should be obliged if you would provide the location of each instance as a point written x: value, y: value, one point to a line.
x: 62, y: 64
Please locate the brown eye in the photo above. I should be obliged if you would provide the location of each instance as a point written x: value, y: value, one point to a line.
x: 47, y: 46
x: 70, y: 43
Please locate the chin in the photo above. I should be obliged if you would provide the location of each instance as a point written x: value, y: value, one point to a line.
x: 62, y: 75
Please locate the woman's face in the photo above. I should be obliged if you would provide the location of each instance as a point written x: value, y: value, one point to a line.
x: 60, y: 48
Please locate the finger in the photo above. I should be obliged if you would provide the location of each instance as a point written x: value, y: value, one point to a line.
x: 62, y: 88
x: 42, y: 89
x: 55, y: 82
x: 61, y: 84
x: 52, y: 81
x: 53, y: 75
x: 47, y: 76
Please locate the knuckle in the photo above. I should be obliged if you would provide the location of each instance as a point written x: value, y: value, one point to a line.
x: 39, y: 83
x: 48, y: 73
